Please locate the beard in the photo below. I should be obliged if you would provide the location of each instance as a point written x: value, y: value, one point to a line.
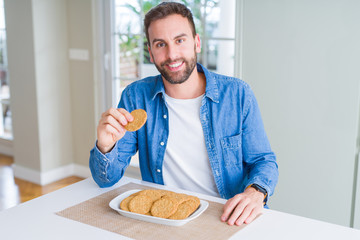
x: 179, y: 76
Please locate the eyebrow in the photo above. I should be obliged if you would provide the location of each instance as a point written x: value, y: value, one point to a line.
x: 161, y: 40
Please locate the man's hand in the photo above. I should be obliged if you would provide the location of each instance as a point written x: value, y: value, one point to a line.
x: 243, y: 207
x: 111, y: 128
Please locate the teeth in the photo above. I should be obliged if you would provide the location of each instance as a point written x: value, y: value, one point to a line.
x: 175, y: 65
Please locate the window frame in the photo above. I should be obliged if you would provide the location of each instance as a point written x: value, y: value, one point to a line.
x: 107, y: 90
x: 4, y: 67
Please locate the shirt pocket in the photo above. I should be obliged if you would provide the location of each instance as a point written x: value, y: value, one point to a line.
x: 232, y: 150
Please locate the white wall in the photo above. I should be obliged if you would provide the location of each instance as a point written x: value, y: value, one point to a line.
x: 52, y: 97
x: 82, y: 79
x: 52, y: 83
x: 302, y: 60
x: 22, y: 74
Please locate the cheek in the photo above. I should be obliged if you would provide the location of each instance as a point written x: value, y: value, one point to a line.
x: 188, y: 50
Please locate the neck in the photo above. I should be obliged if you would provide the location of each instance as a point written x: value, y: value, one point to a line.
x: 191, y: 88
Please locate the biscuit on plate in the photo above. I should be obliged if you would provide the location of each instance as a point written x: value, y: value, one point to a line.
x: 161, y: 203
x: 183, y: 211
x: 164, y: 207
x: 140, y: 204
x: 152, y: 193
x: 125, y: 203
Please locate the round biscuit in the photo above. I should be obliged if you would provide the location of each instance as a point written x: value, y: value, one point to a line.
x: 184, y: 210
x: 180, y: 197
x: 164, y: 207
x: 140, y: 118
x: 194, y: 202
x: 125, y: 203
x: 154, y: 194
x: 140, y: 204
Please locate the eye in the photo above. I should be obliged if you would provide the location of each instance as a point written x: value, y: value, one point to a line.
x: 180, y: 40
x: 160, y: 44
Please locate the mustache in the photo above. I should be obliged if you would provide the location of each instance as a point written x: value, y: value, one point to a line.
x: 172, y: 60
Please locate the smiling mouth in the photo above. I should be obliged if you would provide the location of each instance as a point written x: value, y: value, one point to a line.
x: 175, y: 66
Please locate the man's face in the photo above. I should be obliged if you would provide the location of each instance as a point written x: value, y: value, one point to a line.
x: 173, y: 48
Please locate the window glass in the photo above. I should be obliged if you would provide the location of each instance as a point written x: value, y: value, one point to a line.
x: 220, y: 56
x: 220, y: 19
x: 214, y: 21
x: 5, y: 112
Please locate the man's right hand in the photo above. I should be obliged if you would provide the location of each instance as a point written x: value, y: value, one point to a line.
x: 111, y: 128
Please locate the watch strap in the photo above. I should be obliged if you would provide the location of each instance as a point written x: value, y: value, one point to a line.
x: 259, y: 189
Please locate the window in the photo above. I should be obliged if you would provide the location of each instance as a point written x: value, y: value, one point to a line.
x: 215, y: 23
x: 5, y: 112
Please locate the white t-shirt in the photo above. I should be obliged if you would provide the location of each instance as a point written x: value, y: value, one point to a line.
x: 186, y: 162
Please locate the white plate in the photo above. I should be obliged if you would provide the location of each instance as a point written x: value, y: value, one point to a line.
x: 115, y: 204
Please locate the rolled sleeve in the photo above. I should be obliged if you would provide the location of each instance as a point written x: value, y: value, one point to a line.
x: 100, y: 165
x: 259, y: 158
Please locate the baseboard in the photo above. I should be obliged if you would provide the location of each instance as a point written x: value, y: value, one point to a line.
x: 43, y: 178
x: 27, y: 174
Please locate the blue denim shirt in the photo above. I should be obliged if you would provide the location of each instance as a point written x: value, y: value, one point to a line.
x: 238, y: 149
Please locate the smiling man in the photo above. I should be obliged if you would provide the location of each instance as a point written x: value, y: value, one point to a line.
x: 175, y: 53
x: 204, y: 131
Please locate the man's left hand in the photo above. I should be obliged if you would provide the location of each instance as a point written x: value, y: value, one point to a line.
x: 243, y: 207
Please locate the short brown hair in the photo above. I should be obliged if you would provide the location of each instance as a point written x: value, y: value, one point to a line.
x: 165, y: 9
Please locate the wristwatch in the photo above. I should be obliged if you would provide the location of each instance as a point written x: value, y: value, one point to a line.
x: 259, y: 189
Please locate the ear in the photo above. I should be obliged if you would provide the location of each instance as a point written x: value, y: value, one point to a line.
x: 197, y: 43
x: 151, y: 56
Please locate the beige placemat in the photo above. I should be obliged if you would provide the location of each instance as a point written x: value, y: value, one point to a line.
x: 96, y: 212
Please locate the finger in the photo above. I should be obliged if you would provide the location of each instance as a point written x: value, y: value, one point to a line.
x: 114, y: 132
x: 113, y: 122
x: 238, y: 211
x: 117, y: 115
x: 110, y: 112
x: 229, y: 207
x: 255, y: 212
x: 127, y: 115
x: 244, y: 215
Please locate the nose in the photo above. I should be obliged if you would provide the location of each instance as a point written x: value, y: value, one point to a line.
x: 172, y: 52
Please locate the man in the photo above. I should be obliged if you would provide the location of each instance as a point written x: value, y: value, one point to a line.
x: 204, y: 131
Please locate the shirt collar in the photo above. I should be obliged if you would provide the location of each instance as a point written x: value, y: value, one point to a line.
x: 211, y: 91
x: 158, y: 87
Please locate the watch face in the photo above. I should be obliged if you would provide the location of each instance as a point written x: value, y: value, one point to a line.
x: 260, y: 189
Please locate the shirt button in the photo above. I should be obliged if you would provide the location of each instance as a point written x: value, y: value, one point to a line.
x: 165, y: 116
x: 162, y: 143
x: 158, y: 170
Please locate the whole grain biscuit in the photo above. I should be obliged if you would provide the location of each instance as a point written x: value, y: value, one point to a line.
x: 193, y: 203
x: 140, y: 204
x: 184, y: 210
x: 125, y: 203
x: 164, y: 207
x: 161, y: 203
x: 154, y: 194
x: 180, y: 197
x: 140, y: 117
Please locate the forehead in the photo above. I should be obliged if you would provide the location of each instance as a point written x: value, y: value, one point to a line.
x: 169, y: 27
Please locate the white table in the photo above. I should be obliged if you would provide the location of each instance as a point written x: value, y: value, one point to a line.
x: 36, y: 219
